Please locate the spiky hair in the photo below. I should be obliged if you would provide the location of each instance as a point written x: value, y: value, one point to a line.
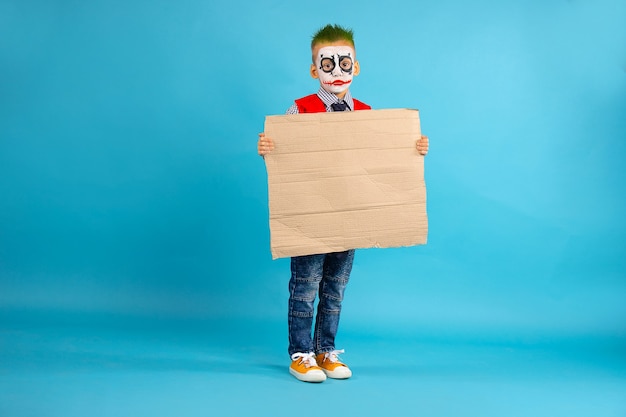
x: 332, y: 33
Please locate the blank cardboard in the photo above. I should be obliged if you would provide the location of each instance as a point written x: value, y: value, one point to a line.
x: 345, y: 180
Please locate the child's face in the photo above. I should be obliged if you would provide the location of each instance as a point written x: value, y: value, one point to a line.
x: 334, y: 64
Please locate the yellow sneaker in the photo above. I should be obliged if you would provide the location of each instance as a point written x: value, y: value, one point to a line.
x: 304, y: 367
x: 332, y: 366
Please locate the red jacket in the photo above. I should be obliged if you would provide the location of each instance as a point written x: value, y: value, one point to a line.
x: 314, y: 104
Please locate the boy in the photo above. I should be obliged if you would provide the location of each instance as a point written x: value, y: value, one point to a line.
x: 315, y: 359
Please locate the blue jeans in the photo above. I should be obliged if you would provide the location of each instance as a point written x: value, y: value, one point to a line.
x: 328, y: 275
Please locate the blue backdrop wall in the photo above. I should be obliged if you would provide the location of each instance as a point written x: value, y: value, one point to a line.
x: 130, y: 184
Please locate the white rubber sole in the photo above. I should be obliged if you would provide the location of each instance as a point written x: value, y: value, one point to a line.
x: 341, y: 372
x: 315, y: 375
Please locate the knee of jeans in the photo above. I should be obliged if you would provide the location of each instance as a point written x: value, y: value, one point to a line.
x: 331, y: 301
x: 304, y: 289
x: 334, y: 288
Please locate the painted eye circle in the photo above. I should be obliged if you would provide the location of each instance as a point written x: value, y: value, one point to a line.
x: 345, y: 63
x: 327, y: 64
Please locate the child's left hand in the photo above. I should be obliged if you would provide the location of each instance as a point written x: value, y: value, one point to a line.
x: 422, y: 145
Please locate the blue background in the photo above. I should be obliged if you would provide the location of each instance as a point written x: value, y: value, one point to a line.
x: 130, y: 185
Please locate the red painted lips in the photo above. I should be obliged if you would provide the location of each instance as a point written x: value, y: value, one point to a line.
x: 338, y: 82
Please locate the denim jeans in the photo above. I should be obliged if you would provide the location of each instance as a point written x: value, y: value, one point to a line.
x: 328, y: 275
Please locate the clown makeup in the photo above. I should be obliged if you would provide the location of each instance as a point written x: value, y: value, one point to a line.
x: 335, y: 66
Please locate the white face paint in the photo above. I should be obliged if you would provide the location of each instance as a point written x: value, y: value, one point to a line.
x: 335, y: 67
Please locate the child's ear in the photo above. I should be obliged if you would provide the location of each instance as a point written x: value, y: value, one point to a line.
x: 357, y: 68
x: 313, y: 71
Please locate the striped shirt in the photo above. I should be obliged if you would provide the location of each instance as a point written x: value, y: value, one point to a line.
x: 329, y: 99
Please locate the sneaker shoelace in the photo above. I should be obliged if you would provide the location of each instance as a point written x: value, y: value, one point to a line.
x: 333, y: 356
x: 308, y: 359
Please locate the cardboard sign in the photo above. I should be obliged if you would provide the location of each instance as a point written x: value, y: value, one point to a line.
x: 345, y: 180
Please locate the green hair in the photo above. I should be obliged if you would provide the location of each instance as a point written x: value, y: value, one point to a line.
x: 332, y: 33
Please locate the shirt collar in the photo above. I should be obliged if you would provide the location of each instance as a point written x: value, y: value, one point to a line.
x: 329, y: 98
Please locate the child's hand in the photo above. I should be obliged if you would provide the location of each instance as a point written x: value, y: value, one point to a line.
x: 265, y: 145
x: 422, y: 145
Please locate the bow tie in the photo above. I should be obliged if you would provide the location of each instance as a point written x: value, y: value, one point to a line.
x: 339, y: 106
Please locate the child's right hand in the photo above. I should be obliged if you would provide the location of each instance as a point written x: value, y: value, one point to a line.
x: 265, y: 144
